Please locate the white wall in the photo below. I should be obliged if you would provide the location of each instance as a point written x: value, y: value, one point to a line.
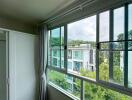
x: 23, y: 66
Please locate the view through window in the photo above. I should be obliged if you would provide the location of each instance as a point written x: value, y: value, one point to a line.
x: 82, y: 47
x: 130, y: 46
x: 81, y: 50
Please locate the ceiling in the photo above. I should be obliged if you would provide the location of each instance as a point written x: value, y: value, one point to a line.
x: 31, y: 11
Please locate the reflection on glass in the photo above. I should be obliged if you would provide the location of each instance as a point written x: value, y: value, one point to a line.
x: 62, y: 35
x: 118, y: 67
x: 130, y: 69
x: 49, y: 55
x: 69, y: 54
x: 55, y: 57
x: 62, y: 57
x: 104, y: 65
x: 82, y: 47
x: 70, y: 65
x: 117, y: 45
x: 119, y: 24
x: 55, y: 37
x: 68, y: 83
x: 104, y: 46
x: 130, y: 47
x: 112, y: 46
x: 130, y: 22
x: 104, y: 26
x: 95, y: 92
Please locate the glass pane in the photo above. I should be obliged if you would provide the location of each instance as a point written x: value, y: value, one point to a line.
x: 62, y: 35
x: 55, y: 57
x: 104, y: 46
x: 112, y: 46
x: 119, y: 24
x: 69, y: 54
x: 78, y: 54
x: 130, y: 22
x: 82, y: 47
x: 130, y: 45
x: 130, y: 69
x: 68, y: 83
x: 118, y: 67
x: 49, y: 54
x: 104, y: 65
x: 117, y: 45
x: 62, y: 57
x: 70, y: 66
x: 49, y: 57
x: 104, y: 26
x: 55, y: 37
x: 95, y: 92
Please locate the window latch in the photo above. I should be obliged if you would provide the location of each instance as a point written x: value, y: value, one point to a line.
x: 65, y: 47
x: 98, y: 46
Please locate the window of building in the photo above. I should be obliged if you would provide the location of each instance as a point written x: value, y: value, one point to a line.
x: 70, y: 66
x: 69, y: 54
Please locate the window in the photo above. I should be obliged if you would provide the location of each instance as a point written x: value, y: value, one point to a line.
x: 68, y: 83
x: 56, y: 48
x: 97, y: 52
x: 111, y: 55
x: 70, y: 65
x: 95, y: 92
x: 69, y: 54
x: 130, y: 46
x: 103, y: 38
x: 81, y: 41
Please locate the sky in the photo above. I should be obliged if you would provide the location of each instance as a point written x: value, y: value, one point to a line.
x: 85, y: 29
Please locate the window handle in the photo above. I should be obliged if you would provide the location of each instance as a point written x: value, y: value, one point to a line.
x: 65, y: 47
x: 98, y: 46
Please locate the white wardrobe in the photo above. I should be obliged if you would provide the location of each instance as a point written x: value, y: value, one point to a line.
x: 19, y: 66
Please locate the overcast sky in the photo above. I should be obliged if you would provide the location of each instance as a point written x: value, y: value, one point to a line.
x: 85, y: 29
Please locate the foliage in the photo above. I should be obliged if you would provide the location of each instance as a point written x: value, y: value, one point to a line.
x: 58, y: 78
x: 92, y: 91
x: 79, y: 42
x: 87, y: 73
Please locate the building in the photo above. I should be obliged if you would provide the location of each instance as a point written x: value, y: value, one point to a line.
x: 79, y: 57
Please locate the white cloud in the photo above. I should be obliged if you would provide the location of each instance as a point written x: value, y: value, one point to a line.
x: 83, y: 30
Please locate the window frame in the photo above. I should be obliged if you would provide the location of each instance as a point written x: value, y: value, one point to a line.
x: 116, y: 87
x: 60, y: 69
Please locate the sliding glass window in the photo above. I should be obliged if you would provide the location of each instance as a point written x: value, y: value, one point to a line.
x: 130, y: 46
x: 82, y: 47
x: 56, y: 48
x: 67, y: 83
x: 111, y: 51
x: 96, y: 49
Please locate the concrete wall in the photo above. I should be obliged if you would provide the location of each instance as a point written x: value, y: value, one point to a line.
x: 54, y: 94
x: 23, y: 66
